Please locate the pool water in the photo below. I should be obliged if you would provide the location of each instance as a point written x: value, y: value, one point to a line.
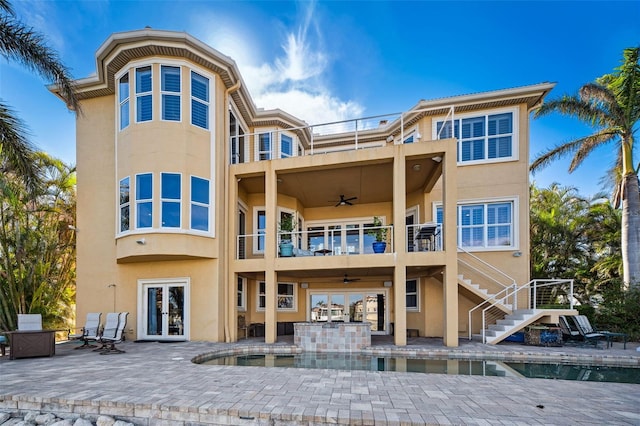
x: 346, y: 361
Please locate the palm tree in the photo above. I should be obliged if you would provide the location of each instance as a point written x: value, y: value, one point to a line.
x: 612, y: 106
x: 28, y: 47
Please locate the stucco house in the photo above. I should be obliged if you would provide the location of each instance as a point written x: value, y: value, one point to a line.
x: 184, y: 188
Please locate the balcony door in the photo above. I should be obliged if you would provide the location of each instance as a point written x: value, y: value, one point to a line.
x: 163, y: 312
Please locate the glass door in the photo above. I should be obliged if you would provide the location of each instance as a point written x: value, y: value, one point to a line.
x: 350, y: 306
x: 163, y: 311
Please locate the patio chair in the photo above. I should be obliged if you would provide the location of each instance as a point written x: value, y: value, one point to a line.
x: 90, y: 332
x: 587, y: 332
x: 110, y: 342
x: 242, y: 326
x: 569, y: 332
x: 29, y: 322
x: 583, y: 324
x: 108, y: 331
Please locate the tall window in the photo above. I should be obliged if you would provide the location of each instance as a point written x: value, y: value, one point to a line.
x: 170, y: 86
x: 123, y: 97
x: 171, y: 194
x: 412, y: 295
x: 199, y: 204
x: 285, y: 297
x: 260, y: 229
x: 144, y: 102
x: 241, y: 294
x: 199, y: 100
x: 481, y: 138
x: 286, y: 146
x: 144, y: 200
x: 484, y: 225
x: 124, y: 204
x: 236, y: 133
x: 264, y: 146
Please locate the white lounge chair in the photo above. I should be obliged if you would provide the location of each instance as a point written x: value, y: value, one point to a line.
x: 90, y: 332
x: 29, y: 322
x: 109, y: 342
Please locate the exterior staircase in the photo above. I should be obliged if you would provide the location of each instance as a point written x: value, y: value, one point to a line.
x: 498, y: 310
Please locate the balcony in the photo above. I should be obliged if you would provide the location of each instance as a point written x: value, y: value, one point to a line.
x: 426, y: 237
x: 340, y: 136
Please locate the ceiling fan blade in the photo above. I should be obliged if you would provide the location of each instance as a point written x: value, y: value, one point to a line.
x: 351, y: 199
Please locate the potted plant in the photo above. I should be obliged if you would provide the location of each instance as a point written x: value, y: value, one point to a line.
x: 286, y: 226
x: 380, y: 234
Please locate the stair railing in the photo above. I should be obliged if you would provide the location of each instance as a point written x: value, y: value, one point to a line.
x: 484, y: 269
x: 550, y: 297
x: 500, y: 298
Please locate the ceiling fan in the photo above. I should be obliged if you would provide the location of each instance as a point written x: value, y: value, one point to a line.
x: 345, y: 201
x: 347, y: 280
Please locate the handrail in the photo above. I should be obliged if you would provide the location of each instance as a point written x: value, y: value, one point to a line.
x: 355, y: 126
x: 531, y: 296
x: 494, y: 297
x: 511, y: 279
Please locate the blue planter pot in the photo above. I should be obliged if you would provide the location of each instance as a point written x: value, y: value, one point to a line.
x: 286, y: 249
x: 379, y: 246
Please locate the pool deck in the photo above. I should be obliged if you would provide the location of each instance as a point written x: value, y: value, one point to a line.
x: 157, y: 384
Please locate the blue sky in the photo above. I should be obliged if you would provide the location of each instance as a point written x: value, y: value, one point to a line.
x: 330, y: 60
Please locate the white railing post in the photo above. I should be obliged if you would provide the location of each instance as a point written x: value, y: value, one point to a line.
x: 571, y: 294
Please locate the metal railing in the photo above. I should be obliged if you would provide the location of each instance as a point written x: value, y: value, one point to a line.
x: 424, y: 237
x: 337, y: 136
x: 540, y: 294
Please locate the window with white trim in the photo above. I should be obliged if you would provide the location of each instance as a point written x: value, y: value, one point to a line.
x: 241, y: 296
x: 237, y: 143
x: 286, y: 146
x: 481, y: 138
x: 484, y: 225
x: 199, y: 100
x: 286, y: 296
x: 123, y: 97
x: 412, y: 295
x: 144, y: 200
x: 199, y: 204
x: 171, y: 195
x: 125, y: 204
x: 259, y: 229
x: 264, y: 146
x: 170, y: 92
x: 144, y: 97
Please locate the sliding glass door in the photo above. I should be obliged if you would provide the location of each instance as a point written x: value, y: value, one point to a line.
x: 350, y: 306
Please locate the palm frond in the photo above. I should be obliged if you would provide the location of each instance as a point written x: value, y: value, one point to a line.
x: 28, y: 47
x: 16, y: 149
x: 590, y: 143
x: 5, y: 6
x: 555, y: 153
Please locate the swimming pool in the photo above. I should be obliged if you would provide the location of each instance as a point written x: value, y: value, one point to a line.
x: 352, y: 361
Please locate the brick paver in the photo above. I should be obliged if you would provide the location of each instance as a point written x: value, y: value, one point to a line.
x: 156, y: 383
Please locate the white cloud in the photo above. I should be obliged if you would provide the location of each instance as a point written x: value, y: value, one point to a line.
x: 294, y: 80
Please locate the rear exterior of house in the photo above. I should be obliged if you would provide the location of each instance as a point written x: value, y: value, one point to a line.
x: 184, y: 184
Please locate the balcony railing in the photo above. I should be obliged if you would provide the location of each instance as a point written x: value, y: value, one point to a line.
x: 424, y: 237
x: 338, y: 136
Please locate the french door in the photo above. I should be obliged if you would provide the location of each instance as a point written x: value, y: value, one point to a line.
x: 163, y: 310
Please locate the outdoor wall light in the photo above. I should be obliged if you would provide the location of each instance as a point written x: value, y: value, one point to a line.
x: 304, y: 285
x: 388, y: 283
x: 141, y: 241
x: 437, y: 158
x: 416, y: 167
x: 390, y: 138
x: 517, y: 254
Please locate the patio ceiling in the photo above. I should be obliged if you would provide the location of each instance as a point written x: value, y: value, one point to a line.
x: 370, y: 183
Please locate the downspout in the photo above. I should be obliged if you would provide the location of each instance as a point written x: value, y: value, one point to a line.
x: 226, y: 232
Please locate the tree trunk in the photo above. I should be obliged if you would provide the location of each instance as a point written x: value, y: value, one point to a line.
x: 631, y: 230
